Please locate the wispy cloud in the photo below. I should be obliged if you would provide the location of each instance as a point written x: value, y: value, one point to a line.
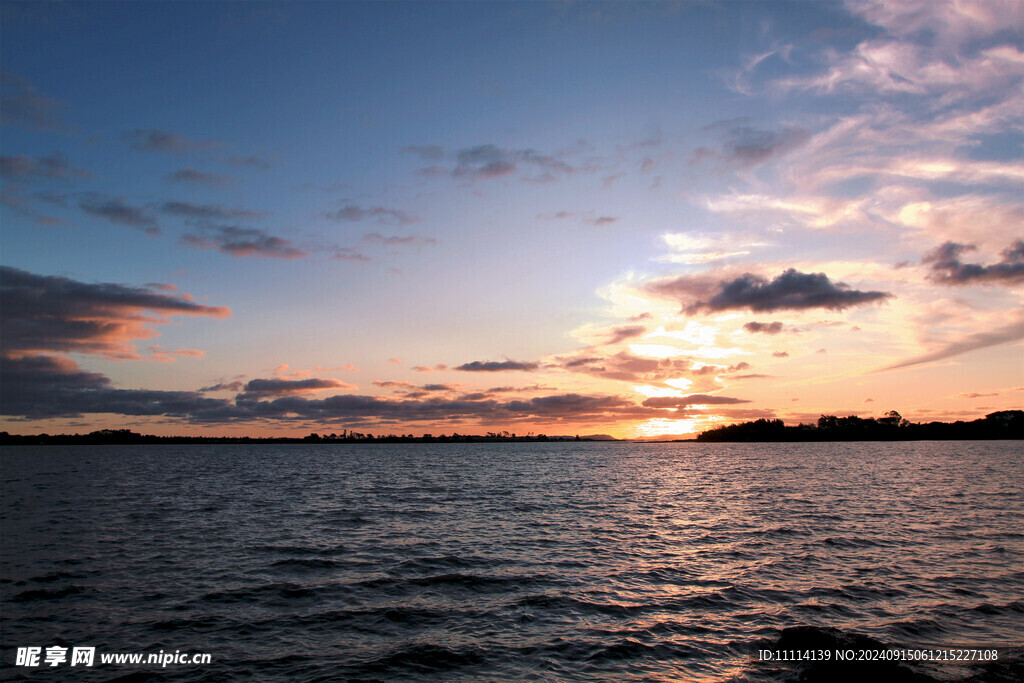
x: 208, y: 211
x: 195, y: 176
x: 397, y: 241
x: 972, y: 342
x: 381, y: 214
x: 115, y: 210
x: 154, y: 140
x: 52, y: 166
x: 21, y: 104
x: 496, y: 366
x: 238, y: 241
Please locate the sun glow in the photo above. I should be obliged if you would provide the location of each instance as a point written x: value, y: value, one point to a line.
x: 650, y: 391
x: 661, y: 426
x: 656, y: 350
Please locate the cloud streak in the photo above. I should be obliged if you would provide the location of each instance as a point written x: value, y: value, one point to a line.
x: 57, y: 314
x: 238, y: 242
x: 154, y: 140
x: 497, y: 366
x: 115, y: 210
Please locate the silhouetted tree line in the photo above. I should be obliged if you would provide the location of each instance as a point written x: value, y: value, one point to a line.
x: 126, y: 436
x: 1005, y: 424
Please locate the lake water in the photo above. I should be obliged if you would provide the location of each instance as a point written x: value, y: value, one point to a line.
x: 558, y: 561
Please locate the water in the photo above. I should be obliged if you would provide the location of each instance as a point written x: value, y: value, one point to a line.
x: 450, y: 562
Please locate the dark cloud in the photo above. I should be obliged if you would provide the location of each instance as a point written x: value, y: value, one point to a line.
x: 780, y: 354
x: 620, y: 334
x: 763, y: 328
x: 115, y: 210
x: 348, y: 254
x: 719, y: 369
x: 691, y: 400
x: 748, y: 146
x: 264, y: 388
x: 208, y: 211
x: 601, y: 220
x: 235, y: 386
x: 394, y: 241
x: 153, y: 140
x: 948, y: 269
x: 191, y: 175
x: 425, y: 152
x: 380, y: 214
x: 49, y: 386
x: 489, y: 161
x: 237, y: 241
x: 21, y: 104
x: 392, y: 384
x: 792, y: 290
x: 53, y: 166
x: 57, y: 314
x: 625, y: 367
x: 496, y: 366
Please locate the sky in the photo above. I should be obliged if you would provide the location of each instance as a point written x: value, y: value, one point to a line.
x: 637, y: 219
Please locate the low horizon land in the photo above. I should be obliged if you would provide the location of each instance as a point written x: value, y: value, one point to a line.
x: 1004, y: 424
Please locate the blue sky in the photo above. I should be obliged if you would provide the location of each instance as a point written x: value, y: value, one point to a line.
x: 601, y: 196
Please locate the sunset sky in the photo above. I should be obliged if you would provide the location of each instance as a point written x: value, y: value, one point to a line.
x: 633, y: 219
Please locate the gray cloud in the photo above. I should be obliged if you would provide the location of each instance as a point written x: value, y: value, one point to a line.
x: 380, y: 214
x: 620, y: 334
x: 394, y: 241
x: 691, y: 400
x: 57, y: 314
x: 489, y: 161
x: 948, y: 269
x: 53, y: 166
x: 237, y: 241
x: 625, y: 367
x: 425, y: 152
x: 264, y: 388
x: 496, y: 366
x: 48, y: 386
x: 792, y: 290
x: 115, y: 210
x: 191, y: 175
x: 21, y: 104
x: 749, y: 146
x: 208, y: 211
x: 763, y: 328
x: 153, y: 140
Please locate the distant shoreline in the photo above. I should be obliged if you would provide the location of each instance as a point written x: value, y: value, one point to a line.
x: 114, y: 437
x: 1001, y: 425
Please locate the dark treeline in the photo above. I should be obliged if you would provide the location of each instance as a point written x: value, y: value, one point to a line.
x: 125, y: 436
x: 1005, y: 424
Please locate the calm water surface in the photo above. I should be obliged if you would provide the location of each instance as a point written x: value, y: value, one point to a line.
x: 571, y: 561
